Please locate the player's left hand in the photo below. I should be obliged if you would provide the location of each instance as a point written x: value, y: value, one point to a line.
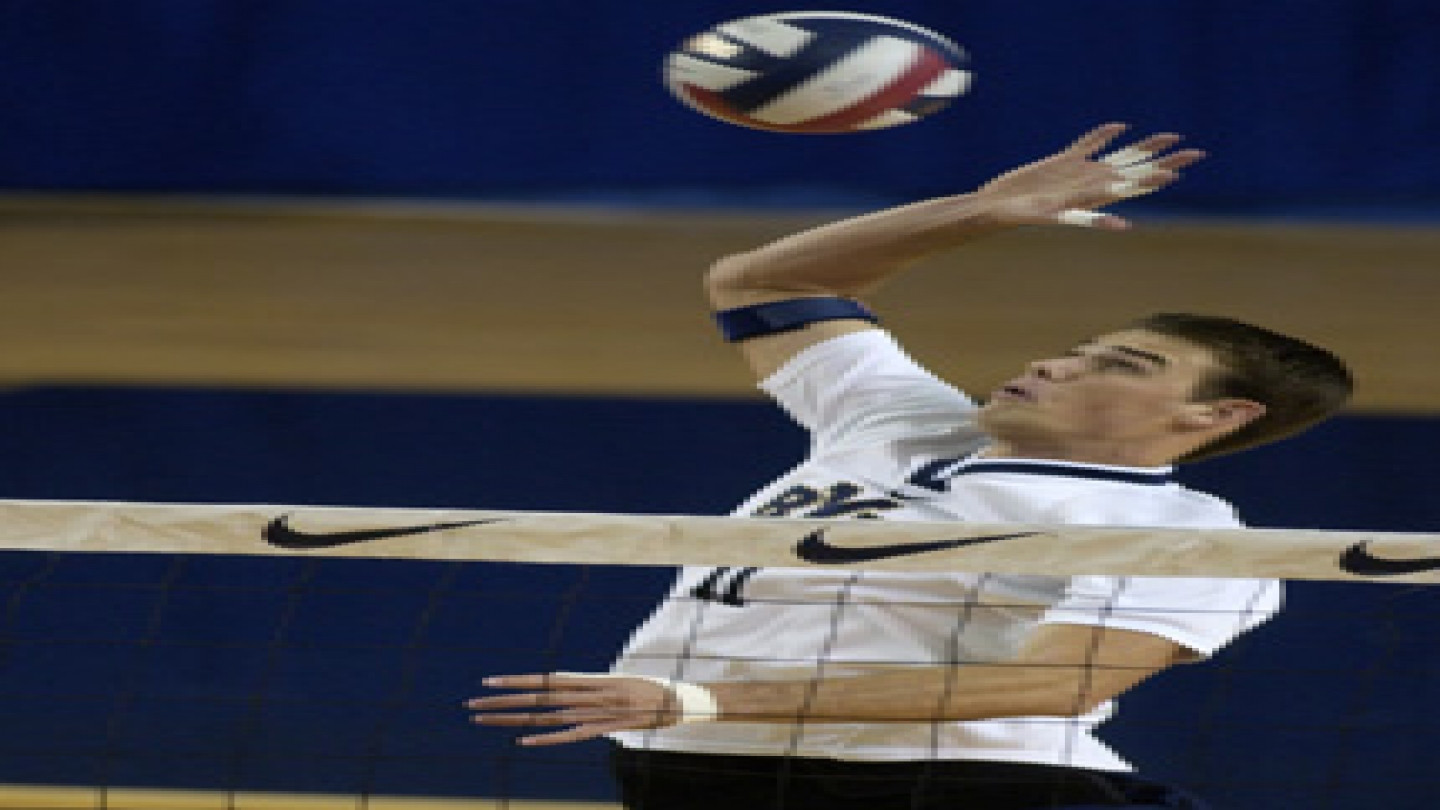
x: 1071, y: 186
x: 592, y: 706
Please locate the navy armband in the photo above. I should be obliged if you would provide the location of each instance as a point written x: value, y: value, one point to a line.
x: 758, y: 320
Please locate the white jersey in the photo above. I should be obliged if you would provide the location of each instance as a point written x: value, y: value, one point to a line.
x: 889, y: 440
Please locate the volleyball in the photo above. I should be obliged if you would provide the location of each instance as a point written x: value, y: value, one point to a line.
x: 817, y: 71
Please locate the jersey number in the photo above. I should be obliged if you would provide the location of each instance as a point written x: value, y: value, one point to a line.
x: 726, y: 584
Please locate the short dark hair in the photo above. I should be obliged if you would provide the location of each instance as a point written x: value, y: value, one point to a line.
x: 1299, y: 384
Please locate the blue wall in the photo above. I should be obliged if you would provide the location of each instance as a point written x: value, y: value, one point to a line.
x: 1306, y: 104
x: 345, y: 676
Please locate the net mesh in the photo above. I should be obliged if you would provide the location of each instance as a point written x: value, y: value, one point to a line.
x: 224, y: 680
x: 245, y: 675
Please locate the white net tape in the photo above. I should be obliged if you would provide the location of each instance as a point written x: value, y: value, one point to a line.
x: 615, y: 539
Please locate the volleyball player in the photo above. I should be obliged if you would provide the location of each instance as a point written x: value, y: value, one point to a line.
x: 809, y: 688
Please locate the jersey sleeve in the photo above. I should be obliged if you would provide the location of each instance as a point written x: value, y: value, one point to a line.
x: 862, y: 388
x: 1200, y: 614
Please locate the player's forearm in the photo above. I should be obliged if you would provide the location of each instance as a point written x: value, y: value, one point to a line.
x: 966, y: 693
x: 853, y: 256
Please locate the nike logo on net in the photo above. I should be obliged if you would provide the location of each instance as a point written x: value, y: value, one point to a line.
x: 1358, y: 560
x: 280, y: 534
x: 814, y: 548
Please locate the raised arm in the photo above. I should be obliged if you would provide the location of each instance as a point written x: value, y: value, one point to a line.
x: 851, y: 258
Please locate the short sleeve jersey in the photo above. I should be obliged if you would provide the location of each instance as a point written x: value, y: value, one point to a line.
x: 891, y: 441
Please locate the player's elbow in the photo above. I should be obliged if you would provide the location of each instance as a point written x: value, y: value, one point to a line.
x: 726, y: 282
x: 1080, y: 705
x: 1070, y: 699
x: 756, y: 277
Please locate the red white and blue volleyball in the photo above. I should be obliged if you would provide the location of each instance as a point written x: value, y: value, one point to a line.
x: 818, y: 71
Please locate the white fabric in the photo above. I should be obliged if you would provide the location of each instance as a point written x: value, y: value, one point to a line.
x: 890, y: 440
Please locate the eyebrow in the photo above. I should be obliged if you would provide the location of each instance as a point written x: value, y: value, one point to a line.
x: 1157, y: 359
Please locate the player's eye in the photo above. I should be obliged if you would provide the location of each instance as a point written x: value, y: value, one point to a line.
x: 1110, y: 362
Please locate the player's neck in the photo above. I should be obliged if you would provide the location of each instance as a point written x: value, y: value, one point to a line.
x: 1107, y: 454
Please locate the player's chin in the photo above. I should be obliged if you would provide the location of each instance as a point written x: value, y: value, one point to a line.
x: 989, y: 413
x: 1000, y: 406
x: 999, y: 417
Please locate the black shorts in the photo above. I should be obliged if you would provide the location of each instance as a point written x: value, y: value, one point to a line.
x: 654, y: 780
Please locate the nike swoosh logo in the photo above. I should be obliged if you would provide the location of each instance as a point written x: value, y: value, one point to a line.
x: 814, y: 548
x: 1358, y: 560
x: 278, y: 533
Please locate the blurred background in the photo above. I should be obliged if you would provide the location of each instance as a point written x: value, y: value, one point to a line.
x: 447, y: 253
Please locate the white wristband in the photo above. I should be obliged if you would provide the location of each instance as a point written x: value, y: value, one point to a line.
x: 695, y: 703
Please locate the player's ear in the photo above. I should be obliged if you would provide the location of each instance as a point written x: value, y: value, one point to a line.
x: 1229, y: 414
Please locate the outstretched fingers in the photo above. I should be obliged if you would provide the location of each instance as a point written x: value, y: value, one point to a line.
x: 1141, y: 151
x: 1092, y: 142
x: 1175, y: 161
x: 1148, y: 176
x: 579, y: 722
x: 1086, y: 218
x: 589, y: 704
x: 1143, y: 167
x: 534, y: 700
x: 555, y: 717
x: 580, y: 733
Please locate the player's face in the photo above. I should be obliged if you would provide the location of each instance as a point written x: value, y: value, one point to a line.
x: 1122, y: 398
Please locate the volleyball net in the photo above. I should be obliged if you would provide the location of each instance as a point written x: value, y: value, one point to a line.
x: 248, y: 656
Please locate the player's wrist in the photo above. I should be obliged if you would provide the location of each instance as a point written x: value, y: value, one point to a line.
x: 1001, y: 209
x: 696, y: 703
x: 949, y: 221
x: 692, y: 702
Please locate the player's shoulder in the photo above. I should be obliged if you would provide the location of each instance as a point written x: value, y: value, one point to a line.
x: 862, y: 389
x: 1169, y: 504
x: 1212, y: 509
x: 866, y: 371
x: 873, y: 347
x: 868, y: 359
